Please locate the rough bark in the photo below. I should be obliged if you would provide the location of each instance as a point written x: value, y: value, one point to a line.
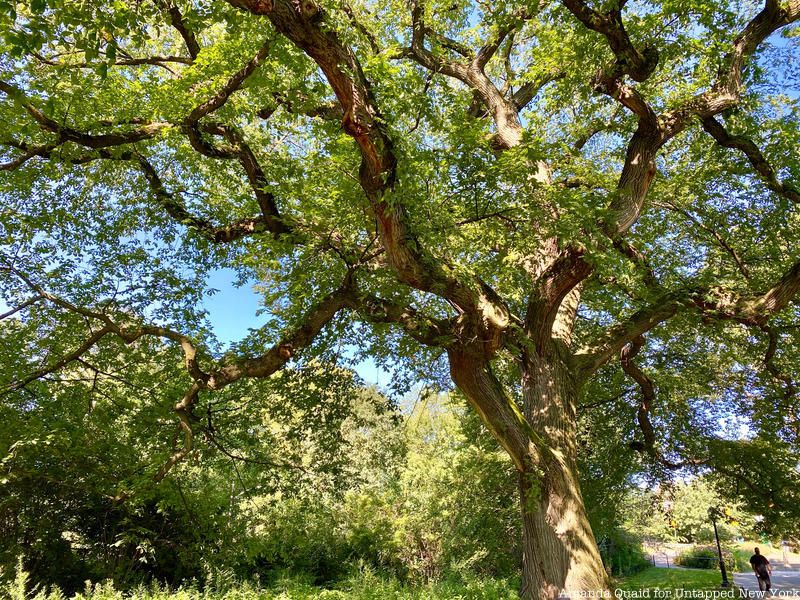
x: 560, y: 555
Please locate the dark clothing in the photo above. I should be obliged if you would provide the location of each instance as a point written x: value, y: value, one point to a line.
x: 759, y: 563
x: 761, y: 566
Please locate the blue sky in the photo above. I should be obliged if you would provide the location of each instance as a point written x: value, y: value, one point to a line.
x: 232, y: 312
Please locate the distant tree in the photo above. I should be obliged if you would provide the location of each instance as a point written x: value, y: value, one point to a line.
x: 522, y: 193
x: 679, y: 512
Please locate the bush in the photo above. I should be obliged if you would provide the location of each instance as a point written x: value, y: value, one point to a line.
x: 741, y: 560
x: 622, y: 554
x: 703, y: 557
x: 365, y: 585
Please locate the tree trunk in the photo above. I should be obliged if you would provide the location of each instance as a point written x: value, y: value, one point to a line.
x: 560, y: 555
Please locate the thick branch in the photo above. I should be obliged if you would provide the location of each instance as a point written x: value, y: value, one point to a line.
x: 649, y: 445
x: 234, y: 83
x: 497, y: 36
x: 173, y: 206
x: 528, y: 91
x: 90, y: 343
x: 628, y: 352
x: 157, y: 61
x: 551, y: 288
x: 425, y: 57
x: 424, y: 329
x: 29, y: 152
x: 754, y: 155
x: 596, y: 354
x: 270, y: 219
x: 184, y: 411
x: 128, y: 333
x: 295, y: 340
x: 105, y: 140
x: 753, y: 309
x: 503, y: 112
x: 298, y: 105
x: 258, y: 183
x: 630, y: 60
x: 789, y: 387
x: 181, y: 26
x: 784, y: 381
x: 301, y: 23
x: 726, y: 91
x: 498, y: 411
x: 639, y: 168
x: 22, y: 306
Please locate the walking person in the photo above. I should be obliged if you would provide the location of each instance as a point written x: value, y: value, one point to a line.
x: 763, y: 570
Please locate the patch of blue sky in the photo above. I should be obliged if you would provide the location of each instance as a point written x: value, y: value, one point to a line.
x: 234, y: 310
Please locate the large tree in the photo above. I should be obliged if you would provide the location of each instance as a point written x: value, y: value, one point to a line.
x: 528, y: 191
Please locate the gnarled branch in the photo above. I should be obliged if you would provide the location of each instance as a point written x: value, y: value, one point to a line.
x: 750, y: 309
x: 754, y: 156
x: 639, y: 64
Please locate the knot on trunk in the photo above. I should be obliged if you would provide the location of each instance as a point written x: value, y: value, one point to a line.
x: 308, y: 9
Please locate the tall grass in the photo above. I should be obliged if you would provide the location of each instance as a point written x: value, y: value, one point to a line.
x: 365, y: 585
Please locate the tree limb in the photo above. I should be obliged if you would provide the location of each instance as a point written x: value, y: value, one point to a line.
x: 726, y: 91
x: 627, y: 354
x: 218, y: 235
x: 292, y: 342
x: 630, y: 60
x: 87, y: 345
x: 362, y: 121
x: 181, y: 26
x: 21, y: 306
x: 156, y: 61
x: 105, y: 140
x: 127, y: 332
x: 234, y: 83
x: 424, y: 329
x: 752, y: 309
x: 754, y: 156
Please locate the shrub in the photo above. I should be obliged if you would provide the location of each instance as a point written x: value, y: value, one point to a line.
x: 703, y: 557
x: 364, y: 585
x: 622, y: 554
x: 741, y: 560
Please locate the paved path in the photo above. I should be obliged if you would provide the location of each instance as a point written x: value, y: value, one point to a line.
x: 785, y: 584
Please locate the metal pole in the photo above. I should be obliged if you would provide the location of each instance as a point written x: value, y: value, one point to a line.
x: 725, y: 583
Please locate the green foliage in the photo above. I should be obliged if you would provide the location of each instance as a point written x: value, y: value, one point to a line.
x: 767, y: 463
x: 418, y: 496
x: 678, y: 511
x: 68, y: 510
x: 304, y: 471
x: 741, y: 560
x: 362, y: 586
x: 704, y: 557
x: 622, y: 554
x: 455, y: 513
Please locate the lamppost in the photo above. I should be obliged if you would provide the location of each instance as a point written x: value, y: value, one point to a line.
x: 713, y: 513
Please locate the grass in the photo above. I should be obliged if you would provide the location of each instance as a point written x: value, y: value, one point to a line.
x: 366, y: 586
x: 655, y: 578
